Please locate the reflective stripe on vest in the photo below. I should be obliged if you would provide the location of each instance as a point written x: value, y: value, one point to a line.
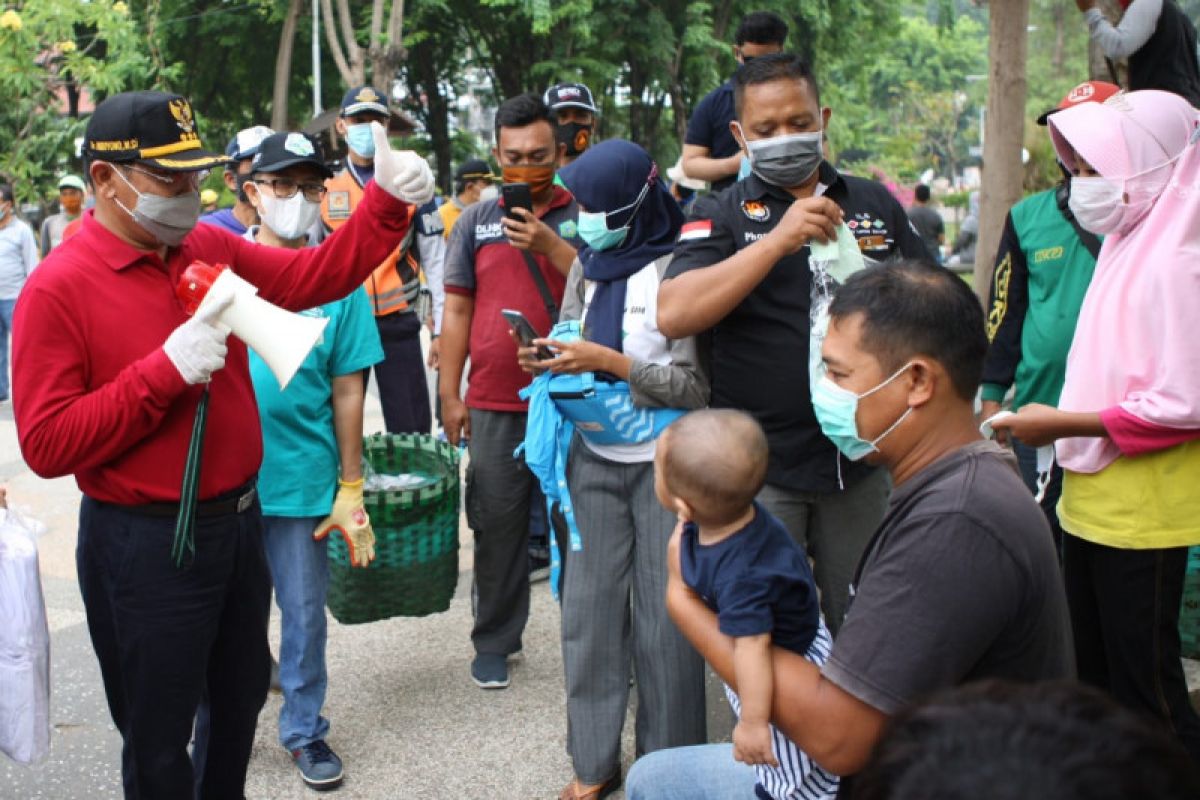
x: 395, y: 283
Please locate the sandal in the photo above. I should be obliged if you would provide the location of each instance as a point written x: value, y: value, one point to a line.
x: 582, y: 791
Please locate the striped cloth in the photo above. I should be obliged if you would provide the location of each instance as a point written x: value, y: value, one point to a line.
x: 797, y: 777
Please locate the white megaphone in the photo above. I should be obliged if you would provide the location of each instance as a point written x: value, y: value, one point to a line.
x: 281, y: 339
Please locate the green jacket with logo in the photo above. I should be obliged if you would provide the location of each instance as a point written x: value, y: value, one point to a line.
x: 1042, y: 273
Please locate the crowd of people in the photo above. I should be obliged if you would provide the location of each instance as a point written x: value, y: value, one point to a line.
x: 758, y: 426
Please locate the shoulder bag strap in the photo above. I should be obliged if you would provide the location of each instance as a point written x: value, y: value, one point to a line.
x: 542, y: 287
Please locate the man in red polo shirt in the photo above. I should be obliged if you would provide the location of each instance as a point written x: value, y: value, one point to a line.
x: 109, y: 370
x: 497, y: 260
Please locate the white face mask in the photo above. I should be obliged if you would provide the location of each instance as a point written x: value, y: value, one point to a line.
x: 290, y: 218
x: 1098, y: 204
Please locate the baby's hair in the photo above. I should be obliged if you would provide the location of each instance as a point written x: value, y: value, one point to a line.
x: 715, y: 460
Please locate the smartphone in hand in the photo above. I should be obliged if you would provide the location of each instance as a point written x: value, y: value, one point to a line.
x: 525, y: 332
x: 516, y: 195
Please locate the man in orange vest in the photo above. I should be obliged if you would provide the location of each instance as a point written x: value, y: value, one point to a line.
x: 395, y: 285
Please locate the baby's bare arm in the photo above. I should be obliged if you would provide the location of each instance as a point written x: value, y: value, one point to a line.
x: 755, y: 681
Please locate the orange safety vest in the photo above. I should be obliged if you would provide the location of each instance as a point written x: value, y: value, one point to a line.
x: 393, y: 285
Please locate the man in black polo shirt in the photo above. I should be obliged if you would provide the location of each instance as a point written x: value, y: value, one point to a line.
x: 710, y: 153
x: 741, y: 272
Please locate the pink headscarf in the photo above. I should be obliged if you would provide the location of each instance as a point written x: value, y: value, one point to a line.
x: 1136, y: 344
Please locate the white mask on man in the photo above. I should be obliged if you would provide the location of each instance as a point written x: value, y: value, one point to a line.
x: 291, y: 218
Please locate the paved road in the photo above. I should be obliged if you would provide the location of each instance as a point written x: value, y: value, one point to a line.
x: 405, y: 717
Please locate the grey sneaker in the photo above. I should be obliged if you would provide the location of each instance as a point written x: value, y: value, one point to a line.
x: 490, y: 671
x: 319, y: 766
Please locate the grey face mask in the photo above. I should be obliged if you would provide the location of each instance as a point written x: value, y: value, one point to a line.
x: 169, y: 219
x: 785, y: 161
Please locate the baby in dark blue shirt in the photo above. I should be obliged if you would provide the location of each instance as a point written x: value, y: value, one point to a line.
x: 741, y: 561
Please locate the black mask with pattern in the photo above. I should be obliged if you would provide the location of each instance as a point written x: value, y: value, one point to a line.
x: 575, y: 135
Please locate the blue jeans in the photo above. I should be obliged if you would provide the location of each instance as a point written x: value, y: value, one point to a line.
x: 702, y: 772
x: 6, y: 315
x: 300, y: 570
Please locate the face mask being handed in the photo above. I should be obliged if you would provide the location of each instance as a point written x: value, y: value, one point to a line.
x: 1097, y: 203
x: 168, y: 219
x: 593, y: 225
x: 575, y: 135
x: 290, y: 218
x: 360, y: 139
x: 785, y: 161
x: 837, y: 408
x: 540, y: 177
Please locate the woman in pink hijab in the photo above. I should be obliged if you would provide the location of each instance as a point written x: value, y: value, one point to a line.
x: 1127, y: 429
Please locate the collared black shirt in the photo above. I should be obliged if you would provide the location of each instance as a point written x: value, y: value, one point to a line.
x: 760, y: 351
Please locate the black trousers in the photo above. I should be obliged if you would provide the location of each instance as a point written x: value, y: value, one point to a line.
x: 163, y: 634
x: 403, y: 392
x: 1125, y: 616
x: 498, y: 496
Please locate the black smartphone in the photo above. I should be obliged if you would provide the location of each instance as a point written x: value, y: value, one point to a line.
x: 516, y: 195
x: 525, y: 332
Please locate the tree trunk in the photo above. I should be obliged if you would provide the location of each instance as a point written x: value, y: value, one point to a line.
x: 437, y: 113
x: 283, y: 67
x: 386, y: 51
x: 1003, y: 174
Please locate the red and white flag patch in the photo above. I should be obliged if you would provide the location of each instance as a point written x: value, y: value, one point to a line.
x: 700, y: 229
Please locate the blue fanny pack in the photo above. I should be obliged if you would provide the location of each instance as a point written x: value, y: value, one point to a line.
x: 602, y: 411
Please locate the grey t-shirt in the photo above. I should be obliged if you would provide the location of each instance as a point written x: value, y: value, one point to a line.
x: 960, y: 583
x: 929, y: 225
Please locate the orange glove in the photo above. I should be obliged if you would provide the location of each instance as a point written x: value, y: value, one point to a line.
x: 350, y: 520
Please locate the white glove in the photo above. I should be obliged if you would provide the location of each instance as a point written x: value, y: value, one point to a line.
x: 197, y: 347
x: 403, y: 174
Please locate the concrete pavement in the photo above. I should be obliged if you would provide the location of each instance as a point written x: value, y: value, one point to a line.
x: 405, y: 717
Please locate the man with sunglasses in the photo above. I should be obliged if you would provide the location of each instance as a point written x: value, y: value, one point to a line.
x: 109, y: 370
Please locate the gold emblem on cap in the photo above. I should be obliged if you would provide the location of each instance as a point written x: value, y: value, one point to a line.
x: 367, y: 95
x: 181, y: 110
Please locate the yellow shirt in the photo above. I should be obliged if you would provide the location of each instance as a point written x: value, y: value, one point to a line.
x: 1143, y: 502
x: 450, y: 212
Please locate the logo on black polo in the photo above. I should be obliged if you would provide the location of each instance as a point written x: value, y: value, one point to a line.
x: 756, y: 211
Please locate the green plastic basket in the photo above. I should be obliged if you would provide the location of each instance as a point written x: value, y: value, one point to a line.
x: 1189, y: 611
x: 416, y: 536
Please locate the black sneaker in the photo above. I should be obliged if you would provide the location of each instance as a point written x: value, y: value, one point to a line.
x: 490, y: 671
x: 319, y: 766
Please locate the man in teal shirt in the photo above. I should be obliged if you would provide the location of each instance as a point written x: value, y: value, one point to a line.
x: 312, y: 434
x: 1042, y: 272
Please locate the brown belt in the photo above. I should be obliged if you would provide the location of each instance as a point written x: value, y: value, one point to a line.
x: 235, y: 502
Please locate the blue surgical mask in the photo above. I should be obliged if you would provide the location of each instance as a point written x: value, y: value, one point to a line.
x: 593, y: 225
x: 360, y: 139
x: 593, y: 229
x: 837, y: 409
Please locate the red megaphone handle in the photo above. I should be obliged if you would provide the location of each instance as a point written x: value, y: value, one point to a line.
x: 195, y: 282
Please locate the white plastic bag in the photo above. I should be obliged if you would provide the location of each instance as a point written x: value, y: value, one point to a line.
x: 831, y: 264
x: 24, y: 643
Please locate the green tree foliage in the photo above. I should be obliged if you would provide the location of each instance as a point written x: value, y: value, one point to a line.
x: 49, y: 51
